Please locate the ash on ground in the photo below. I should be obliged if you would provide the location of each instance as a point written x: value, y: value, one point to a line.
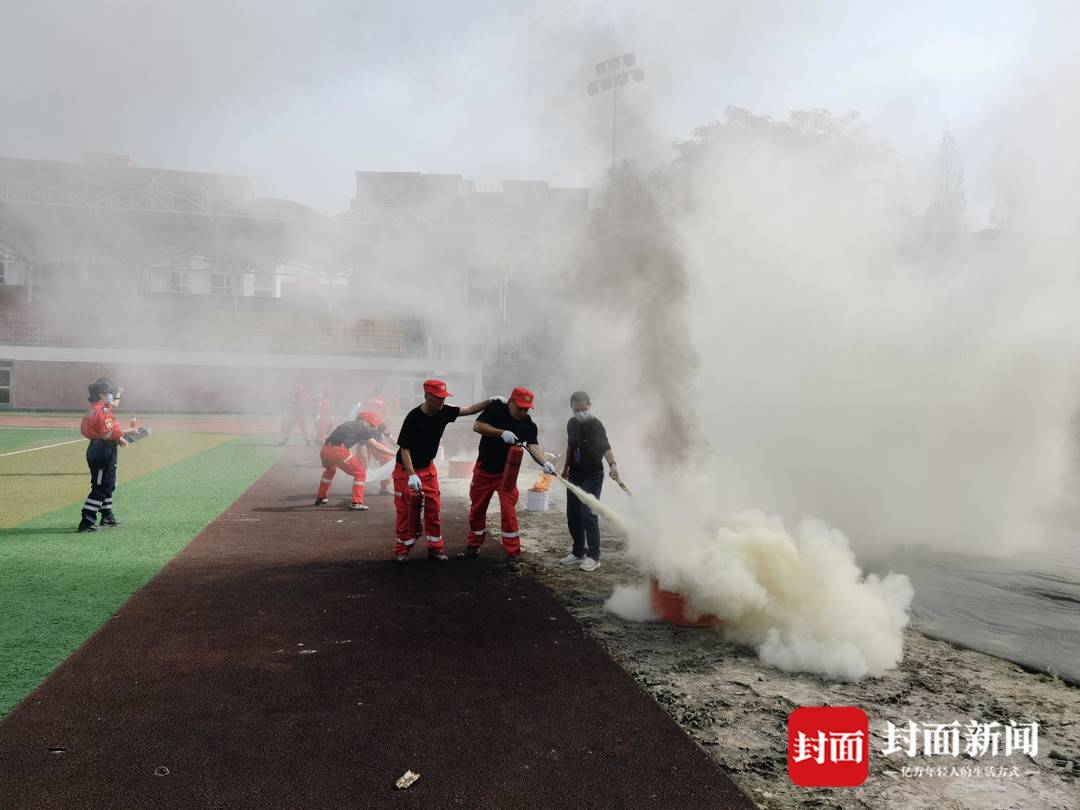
x: 736, y: 708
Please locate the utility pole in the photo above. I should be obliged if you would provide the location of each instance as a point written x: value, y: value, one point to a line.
x: 615, y: 73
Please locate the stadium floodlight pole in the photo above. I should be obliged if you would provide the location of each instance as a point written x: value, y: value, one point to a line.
x: 615, y: 73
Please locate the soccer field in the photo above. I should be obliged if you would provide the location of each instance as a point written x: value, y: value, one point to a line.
x: 59, y: 586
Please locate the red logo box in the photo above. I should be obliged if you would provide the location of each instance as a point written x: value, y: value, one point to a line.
x: 828, y: 746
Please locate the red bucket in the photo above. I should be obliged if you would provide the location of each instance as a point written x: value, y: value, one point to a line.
x: 671, y: 608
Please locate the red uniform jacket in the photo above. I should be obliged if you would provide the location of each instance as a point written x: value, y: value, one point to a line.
x: 99, y: 423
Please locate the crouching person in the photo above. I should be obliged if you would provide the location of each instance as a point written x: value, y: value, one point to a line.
x: 336, y: 453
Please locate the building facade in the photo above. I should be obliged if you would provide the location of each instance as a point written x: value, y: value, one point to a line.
x: 200, y: 296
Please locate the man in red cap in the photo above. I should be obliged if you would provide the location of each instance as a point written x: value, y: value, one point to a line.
x: 501, y: 425
x: 418, y: 442
x: 337, y: 453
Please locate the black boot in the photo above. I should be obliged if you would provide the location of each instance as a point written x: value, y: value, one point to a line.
x: 86, y: 526
x: 108, y: 520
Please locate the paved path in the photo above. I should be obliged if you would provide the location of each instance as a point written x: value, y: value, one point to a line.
x: 282, y: 660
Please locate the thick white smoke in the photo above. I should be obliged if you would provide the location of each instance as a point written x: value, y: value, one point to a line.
x: 799, y: 599
x: 855, y: 371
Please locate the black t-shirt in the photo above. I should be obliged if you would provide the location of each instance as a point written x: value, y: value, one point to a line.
x: 420, y: 434
x: 493, y: 449
x: 350, y: 433
x: 588, y: 442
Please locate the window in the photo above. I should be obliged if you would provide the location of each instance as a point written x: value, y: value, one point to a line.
x: 263, y: 285
x: 220, y: 284
x: 5, y: 383
x: 178, y: 281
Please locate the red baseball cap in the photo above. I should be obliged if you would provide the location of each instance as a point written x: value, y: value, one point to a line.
x: 522, y: 397
x: 437, y: 388
x: 370, y: 417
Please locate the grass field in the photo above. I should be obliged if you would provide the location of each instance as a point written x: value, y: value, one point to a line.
x: 58, y: 587
x: 12, y: 439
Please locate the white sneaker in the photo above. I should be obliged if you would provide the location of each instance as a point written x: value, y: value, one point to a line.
x: 570, y: 559
x: 590, y: 564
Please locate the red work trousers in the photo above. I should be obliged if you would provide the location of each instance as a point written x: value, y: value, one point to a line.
x: 334, y: 456
x: 483, y: 486
x: 429, y: 483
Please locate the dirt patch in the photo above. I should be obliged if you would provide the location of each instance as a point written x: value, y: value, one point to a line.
x: 736, y: 708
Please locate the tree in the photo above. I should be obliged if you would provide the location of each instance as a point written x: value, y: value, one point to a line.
x: 945, y: 217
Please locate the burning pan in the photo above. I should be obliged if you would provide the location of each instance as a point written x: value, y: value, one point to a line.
x: 671, y: 607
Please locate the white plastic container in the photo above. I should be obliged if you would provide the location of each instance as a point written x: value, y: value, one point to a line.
x: 536, y: 501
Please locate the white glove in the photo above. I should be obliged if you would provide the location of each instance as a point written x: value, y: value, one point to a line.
x: 549, y: 468
x: 414, y: 482
x: 509, y: 437
x: 498, y: 399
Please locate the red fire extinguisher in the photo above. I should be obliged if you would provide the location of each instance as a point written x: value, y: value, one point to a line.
x: 415, y: 501
x: 513, y: 466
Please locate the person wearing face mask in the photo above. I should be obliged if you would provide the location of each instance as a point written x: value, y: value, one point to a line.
x: 586, y: 448
x: 99, y: 425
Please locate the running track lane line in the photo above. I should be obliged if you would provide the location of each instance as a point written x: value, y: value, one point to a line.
x: 43, y: 447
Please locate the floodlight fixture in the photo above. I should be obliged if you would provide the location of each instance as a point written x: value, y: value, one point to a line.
x: 615, y: 73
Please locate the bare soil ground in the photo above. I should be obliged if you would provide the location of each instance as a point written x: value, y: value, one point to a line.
x: 736, y: 708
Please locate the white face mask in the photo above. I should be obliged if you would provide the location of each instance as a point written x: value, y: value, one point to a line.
x: 582, y: 416
x: 108, y: 399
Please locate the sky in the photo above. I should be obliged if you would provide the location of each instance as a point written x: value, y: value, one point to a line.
x: 299, y: 95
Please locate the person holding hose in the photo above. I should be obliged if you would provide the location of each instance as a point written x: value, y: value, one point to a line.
x: 501, y: 425
x: 586, y: 448
x: 336, y: 453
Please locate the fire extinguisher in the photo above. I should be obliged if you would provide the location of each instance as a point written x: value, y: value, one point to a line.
x: 513, y: 466
x: 415, y: 502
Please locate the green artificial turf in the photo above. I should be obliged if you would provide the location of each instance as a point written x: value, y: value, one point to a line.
x: 57, y: 587
x: 18, y: 438
x: 36, y: 483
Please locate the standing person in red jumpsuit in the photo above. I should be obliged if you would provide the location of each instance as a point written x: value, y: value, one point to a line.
x: 336, y: 453
x: 99, y: 425
x: 295, y: 416
x: 418, y: 442
x: 501, y: 425
x: 324, y: 421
